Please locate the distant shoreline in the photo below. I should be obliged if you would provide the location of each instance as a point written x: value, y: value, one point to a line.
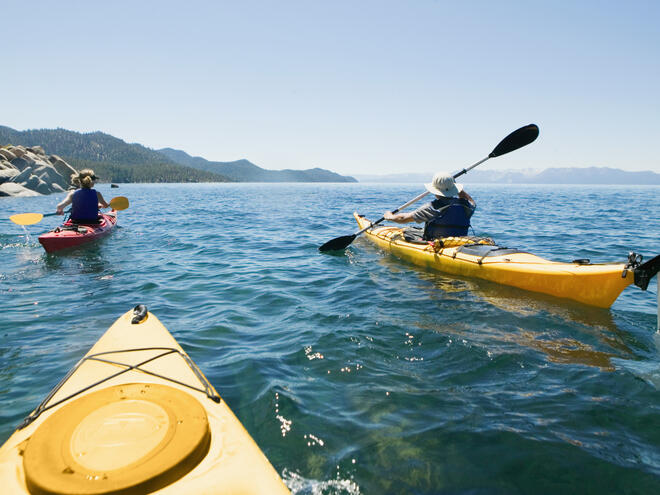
x: 557, y: 176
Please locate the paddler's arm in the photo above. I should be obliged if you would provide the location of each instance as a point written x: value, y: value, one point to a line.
x: 399, y: 217
x: 102, y: 201
x: 65, y: 202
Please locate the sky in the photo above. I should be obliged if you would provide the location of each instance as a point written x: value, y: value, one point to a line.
x: 356, y: 87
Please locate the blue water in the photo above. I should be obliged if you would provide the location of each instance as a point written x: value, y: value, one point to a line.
x: 356, y: 372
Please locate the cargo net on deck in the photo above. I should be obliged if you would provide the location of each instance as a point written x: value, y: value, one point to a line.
x: 416, y: 235
x: 446, y: 242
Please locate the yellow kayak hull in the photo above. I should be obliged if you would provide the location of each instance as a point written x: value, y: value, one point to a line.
x: 593, y: 284
x: 141, y: 418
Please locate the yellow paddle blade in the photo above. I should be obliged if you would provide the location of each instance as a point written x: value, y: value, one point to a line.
x: 119, y: 203
x: 26, y: 218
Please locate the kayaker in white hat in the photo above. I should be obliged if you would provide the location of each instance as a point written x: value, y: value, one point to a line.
x: 446, y: 216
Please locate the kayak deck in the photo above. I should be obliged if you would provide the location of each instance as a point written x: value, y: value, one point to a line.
x: 70, y: 235
x: 137, y: 386
x: 593, y: 284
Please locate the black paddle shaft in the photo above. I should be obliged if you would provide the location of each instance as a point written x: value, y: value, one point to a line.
x: 53, y: 214
x: 517, y: 139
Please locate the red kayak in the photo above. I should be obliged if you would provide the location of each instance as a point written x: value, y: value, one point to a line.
x: 72, y: 234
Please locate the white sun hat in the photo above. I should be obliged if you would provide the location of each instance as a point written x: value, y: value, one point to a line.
x: 444, y: 185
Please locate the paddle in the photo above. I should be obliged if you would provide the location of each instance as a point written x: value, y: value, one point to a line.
x: 517, y: 139
x: 119, y: 203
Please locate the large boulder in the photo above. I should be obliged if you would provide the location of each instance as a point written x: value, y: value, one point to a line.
x: 19, y: 151
x: 30, y: 169
x: 23, y: 176
x: 7, y: 174
x: 37, y: 150
x: 13, y: 189
x: 48, y: 174
x: 25, y: 162
x: 8, y: 155
x: 62, y: 167
x: 42, y: 187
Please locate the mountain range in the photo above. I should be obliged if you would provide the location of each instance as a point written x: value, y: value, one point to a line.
x: 555, y: 175
x: 118, y: 161
x: 246, y: 171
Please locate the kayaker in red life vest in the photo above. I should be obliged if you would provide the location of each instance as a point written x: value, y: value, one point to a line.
x: 85, y: 201
x: 446, y: 216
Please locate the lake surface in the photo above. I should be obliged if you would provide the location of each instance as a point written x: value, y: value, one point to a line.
x: 356, y: 372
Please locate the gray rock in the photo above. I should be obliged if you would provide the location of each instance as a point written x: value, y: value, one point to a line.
x: 33, y: 182
x: 42, y: 187
x: 8, y: 174
x: 16, y: 190
x: 23, y: 176
x: 21, y: 163
x: 54, y: 158
x: 62, y: 168
x: 29, y: 158
x: 48, y: 174
x: 30, y: 169
x: 8, y: 155
x: 37, y: 150
x: 19, y: 151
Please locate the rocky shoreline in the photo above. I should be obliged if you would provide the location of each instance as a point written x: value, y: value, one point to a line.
x: 29, y: 171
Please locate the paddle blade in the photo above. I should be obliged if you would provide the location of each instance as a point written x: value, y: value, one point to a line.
x: 119, y: 203
x: 517, y: 139
x: 26, y: 218
x: 338, y: 243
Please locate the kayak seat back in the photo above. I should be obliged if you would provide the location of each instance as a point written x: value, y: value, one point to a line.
x: 414, y: 235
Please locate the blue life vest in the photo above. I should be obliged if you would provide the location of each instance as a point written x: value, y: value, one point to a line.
x: 85, y: 206
x: 453, y: 219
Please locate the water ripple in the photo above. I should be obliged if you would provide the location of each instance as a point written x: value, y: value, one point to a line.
x: 356, y: 372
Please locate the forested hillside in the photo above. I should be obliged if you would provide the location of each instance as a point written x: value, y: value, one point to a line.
x: 151, y: 172
x: 115, y: 160
x: 111, y: 158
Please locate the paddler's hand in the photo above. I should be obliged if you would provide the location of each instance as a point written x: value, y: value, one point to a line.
x: 59, y: 211
x: 398, y: 217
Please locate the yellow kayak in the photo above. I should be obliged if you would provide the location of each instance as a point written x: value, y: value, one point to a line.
x: 135, y: 415
x: 588, y: 283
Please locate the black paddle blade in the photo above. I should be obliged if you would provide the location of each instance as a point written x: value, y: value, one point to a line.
x: 338, y: 243
x: 517, y: 139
